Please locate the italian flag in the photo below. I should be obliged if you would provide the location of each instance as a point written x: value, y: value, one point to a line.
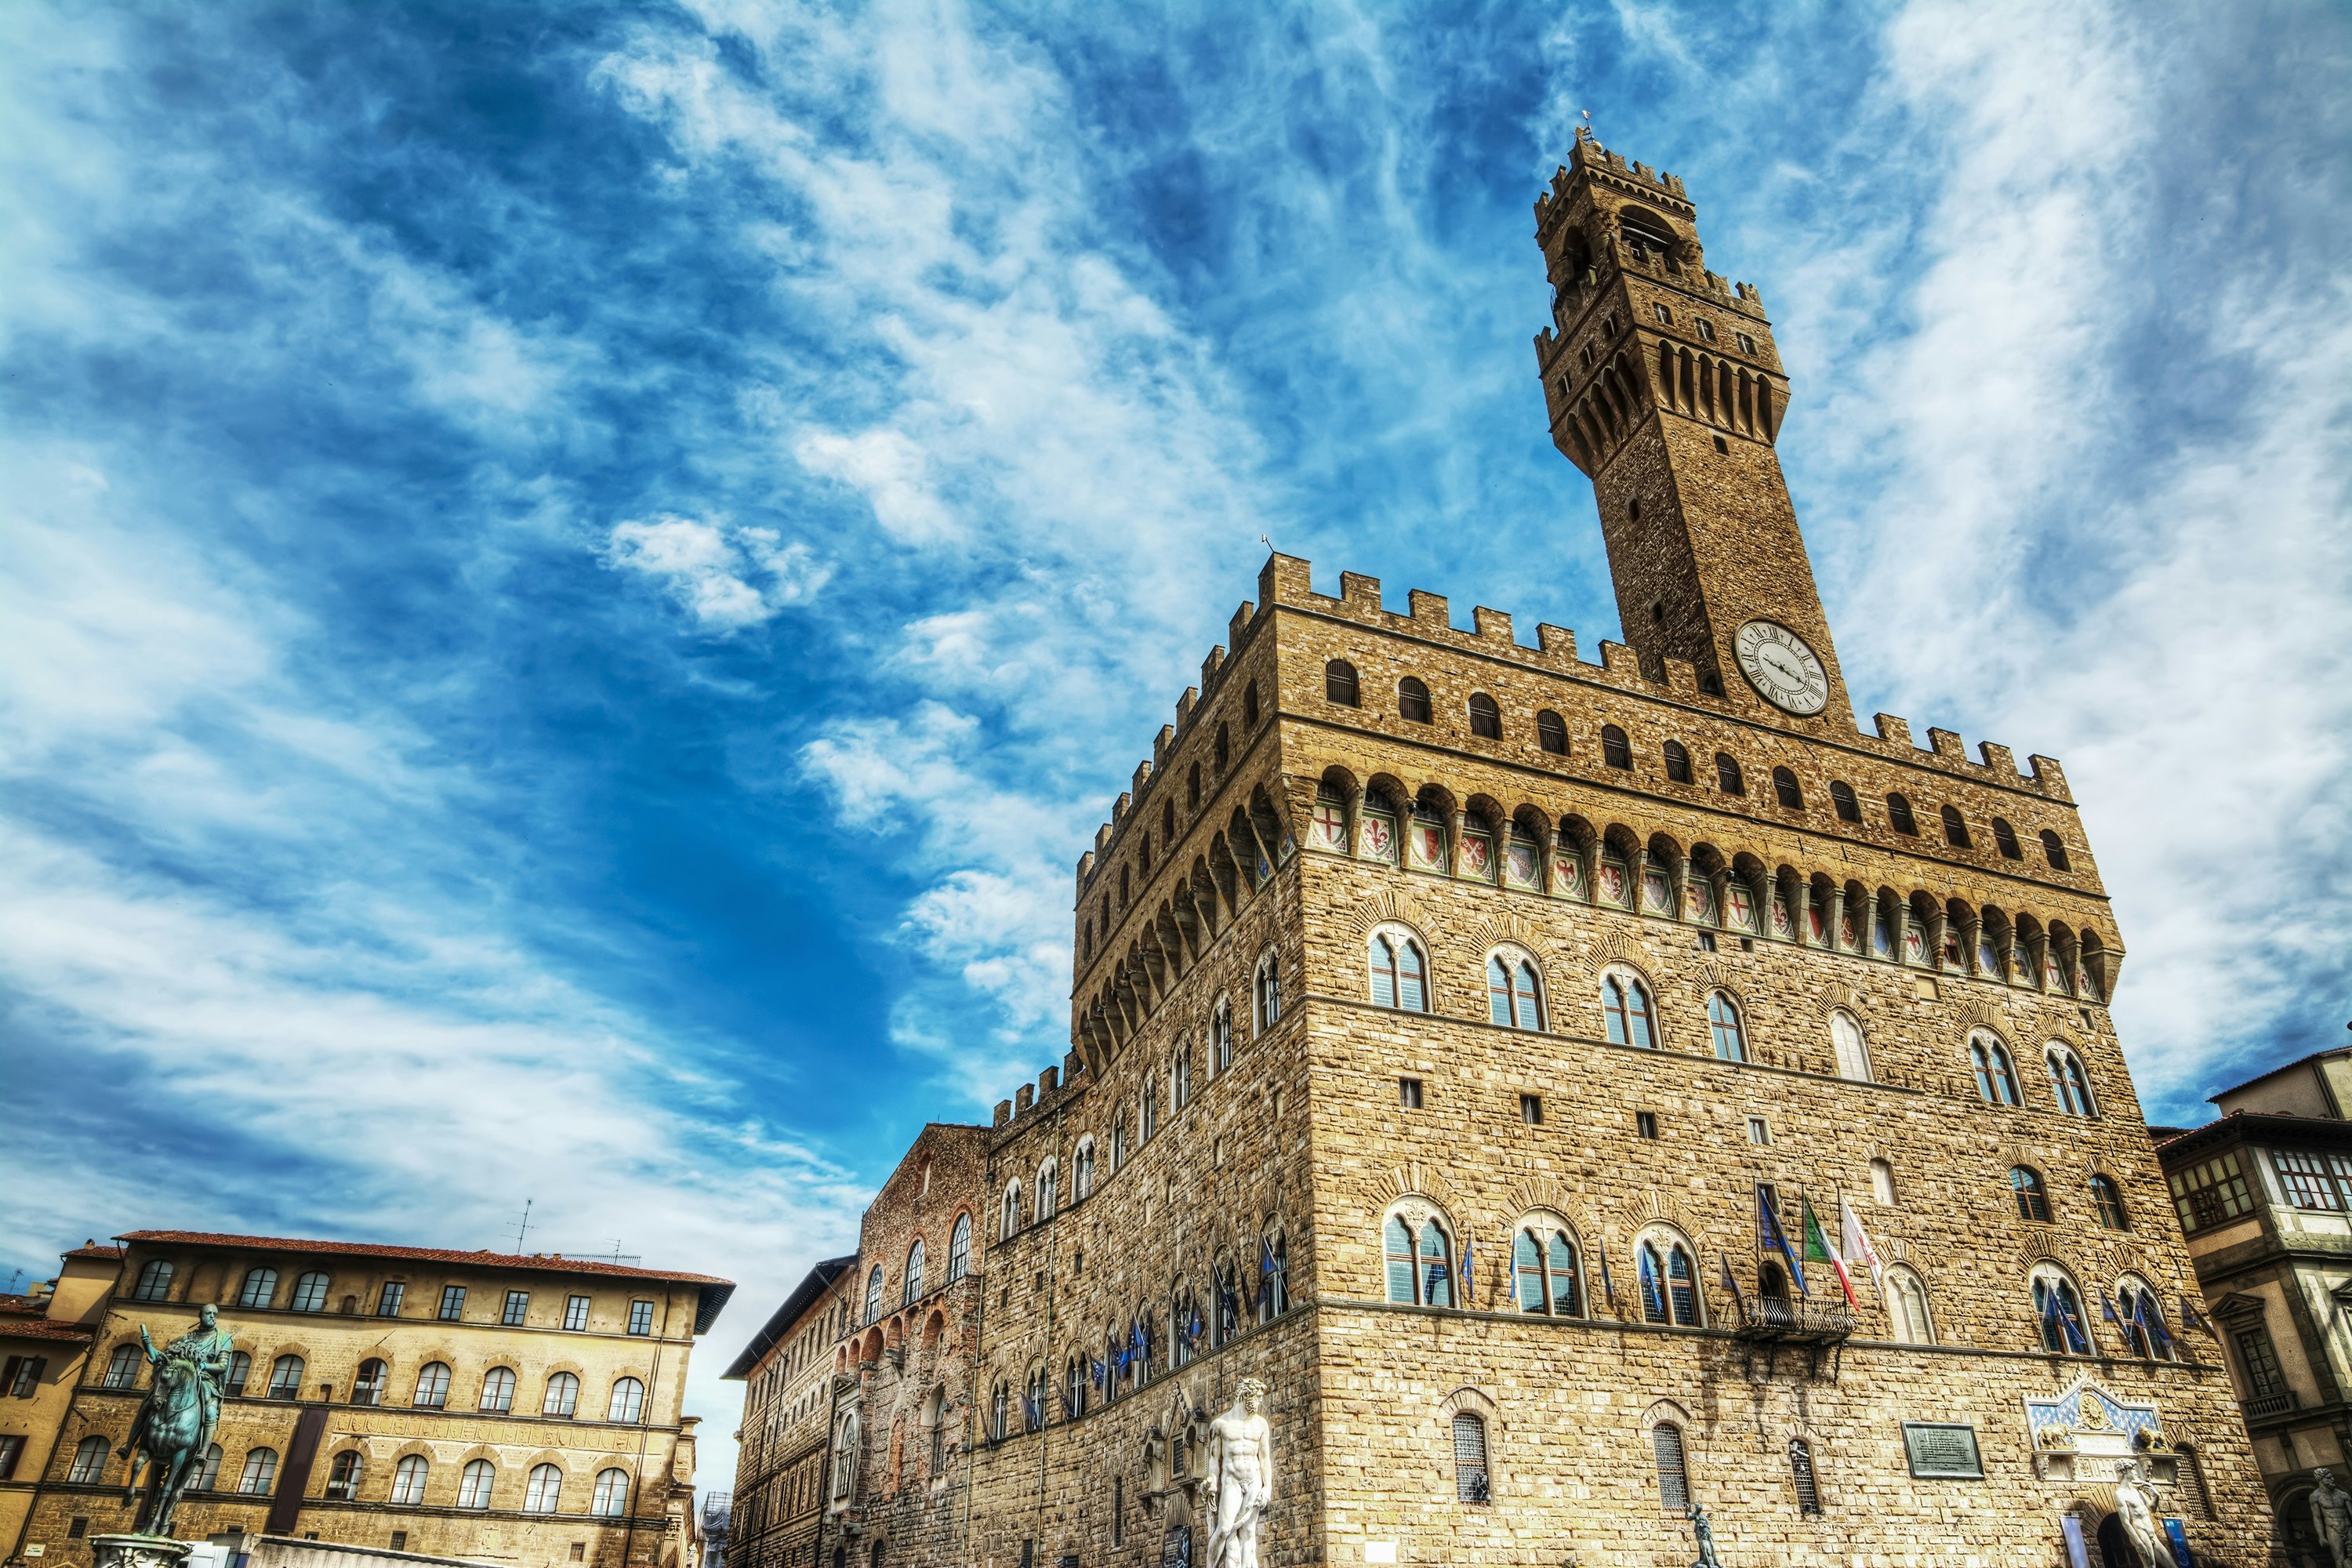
x: 1820, y: 1248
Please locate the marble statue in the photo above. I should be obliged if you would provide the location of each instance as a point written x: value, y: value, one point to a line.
x: 2331, y: 1517
x: 1155, y: 1462
x: 176, y: 1418
x: 1240, y: 1477
x: 2136, y: 1504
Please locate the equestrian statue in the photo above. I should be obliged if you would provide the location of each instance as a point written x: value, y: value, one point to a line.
x: 176, y: 1419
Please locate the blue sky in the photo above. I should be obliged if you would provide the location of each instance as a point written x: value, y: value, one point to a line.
x: 577, y: 578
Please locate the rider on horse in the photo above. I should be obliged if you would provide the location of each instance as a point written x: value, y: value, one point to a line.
x: 191, y: 1368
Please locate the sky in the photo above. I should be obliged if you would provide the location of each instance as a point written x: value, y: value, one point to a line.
x: 576, y: 578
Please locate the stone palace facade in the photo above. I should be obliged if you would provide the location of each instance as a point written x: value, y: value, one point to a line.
x: 1479, y: 1046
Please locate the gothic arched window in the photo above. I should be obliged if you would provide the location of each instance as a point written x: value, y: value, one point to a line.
x: 1615, y: 750
x: 1221, y: 1036
x: 1265, y: 989
x: 874, y: 1286
x: 1956, y: 831
x: 1400, y: 974
x: 2058, y: 1313
x: 1008, y: 1223
x: 1486, y: 718
x: 1668, y: 1280
x: 2053, y: 849
x: 2032, y: 1195
x: 1625, y: 1004
x: 1851, y: 1050
x: 1514, y: 997
x: 1551, y: 733
x: 1673, y: 1475
x: 2004, y: 839
x: 1420, y: 1261
x: 1842, y: 802
x: 1898, y: 817
x: 1722, y: 1023
x: 1677, y: 757
x: 911, y: 1291
x: 2069, y: 1084
x: 1907, y: 1307
x: 959, y: 1249
x: 1412, y: 700
x: 1545, y: 1275
x: 1785, y: 790
x: 1469, y: 1458
x: 2109, y: 1199
x: 1339, y: 683
x: 1996, y: 1079
x: 1728, y: 776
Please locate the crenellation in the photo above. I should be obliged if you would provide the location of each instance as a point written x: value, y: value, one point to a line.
x: 1622, y: 665
x: 2051, y: 777
x: 1237, y: 629
x: 1185, y: 705
x: 1945, y: 744
x: 1558, y: 644
x: 1895, y: 732
x: 1429, y: 609
x: 1004, y: 1112
x: 2000, y: 762
x: 1212, y: 667
x: 1023, y: 1098
x: 1142, y: 777
x: 1360, y: 593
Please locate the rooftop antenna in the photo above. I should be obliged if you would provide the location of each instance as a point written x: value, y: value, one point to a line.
x: 522, y: 1227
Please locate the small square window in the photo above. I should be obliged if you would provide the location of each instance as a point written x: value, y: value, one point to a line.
x: 1758, y: 1132
x: 1706, y: 941
x: 517, y: 1309
x: 453, y: 1302
x: 1663, y: 315
x: 400, y: 1540
x: 388, y: 1304
x: 579, y: 1551
x: 1409, y: 1093
x: 1531, y: 1109
x: 1645, y: 1124
x: 79, y: 1528
x: 1747, y: 344
x: 641, y: 1317
x: 1706, y: 328
x: 575, y: 1313
x: 1723, y: 446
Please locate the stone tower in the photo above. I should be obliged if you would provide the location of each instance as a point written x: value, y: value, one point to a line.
x: 1663, y: 386
x: 1447, y: 1012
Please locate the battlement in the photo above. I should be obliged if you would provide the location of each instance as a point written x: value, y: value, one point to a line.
x: 1284, y: 583
x: 1595, y: 164
x: 1053, y: 1086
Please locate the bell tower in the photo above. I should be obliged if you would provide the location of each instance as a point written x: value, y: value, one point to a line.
x: 1663, y: 386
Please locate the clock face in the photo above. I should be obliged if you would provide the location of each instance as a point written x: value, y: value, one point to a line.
x: 1777, y: 663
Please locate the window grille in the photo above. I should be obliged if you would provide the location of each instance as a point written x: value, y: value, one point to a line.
x: 1486, y: 718
x: 2005, y: 837
x: 1674, y: 1479
x: 1339, y: 683
x: 1956, y: 831
x: 2054, y: 850
x: 1728, y: 775
x: 1899, y: 818
x: 1469, y: 1458
x: 1785, y: 790
x: 1412, y: 700
x: 1800, y: 1470
x: 1615, y: 750
x: 1843, y: 801
x: 1551, y: 733
x: 1678, y: 767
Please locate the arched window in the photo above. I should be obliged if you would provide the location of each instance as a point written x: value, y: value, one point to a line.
x: 1882, y: 1182
x: 1221, y: 1036
x: 1545, y: 1275
x: 1185, y: 1326
x: 2145, y: 1330
x: 2053, y: 849
x: 874, y: 1292
x: 1955, y: 832
x: 368, y: 1383
x: 1224, y: 749
x: 155, y: 1281
x: 1008, y: 1220
x: 1049, y: 1189
x: 562, y: 1396
x: 1412, y: 700
x: 498, y: 1390
x: 846, y: 1454
x: 1551, y: 733
x: 1273, y: 1276
x: 1677, y: 762
x: 2004, y: 839
x: 1907, y: 1307
x: 241, y: 1371
x: 1151, y: 1106
x: 475, y: 1483
x: 343, y: 1476
x: 1266, y: 988
x: 959, y: 1248
x: 2058, y: 1310
x: 1180, y: 1078
x: 1851, y: 1050
x: 1800, y: 1475
x: 628, y: 1402
x: 1033, y: 1400
x: 1842, y: 802
x: 1400, y: 976
x: 2069, y: 1084
x: 1723, y: 1024
x: 286, y: 1377
x: 1339, y: 683
x: 1486, y: 718
x: 1615, y: 749
x: 2033, y: 1197
x: 543, y: 1492
x: 1785, y: 790
x: 1000, y: 1410
x: 260, y: 1471
x: 207, y: 1473
x: 1898, y: 816
x: 261, y: 1288
x: 1419, y: 1262
x: 1669, y: 1280
x: 912, y: 1290
x: 1674, y: 1476
x: 1469, y: 1458
x: 121, y: 1368
x: 2109, y: 1199
x: 1625, y: 1004
x: 1514, y: 998
x: 408, y: 1479
x: 1118, y: 1140
x: 1083, y: 1175
x: 1996, y: 1079
x: 309, y: 1294
x: 1192, y: 787
x: 1728, y: 776
x: 90, y: 1462
x: 611, y: 1499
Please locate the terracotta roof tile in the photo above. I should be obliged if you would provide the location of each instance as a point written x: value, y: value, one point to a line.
x: 94, y: 1250
x: 715, y: 1290
x: 44, y: 1329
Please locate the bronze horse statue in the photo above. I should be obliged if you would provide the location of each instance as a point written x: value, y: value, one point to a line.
x: 168, y: 1436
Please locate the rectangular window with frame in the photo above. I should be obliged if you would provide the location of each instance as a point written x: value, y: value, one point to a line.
x: 2306, y: 1180
x: 2259, y: 1357
x: 400, y: 1540
x: 2211, y: 1192
x: 1645, y: 1124
x: 1758, y: 1131
x: 517, y: 1309
x: 1531, y: 1109
x: 1409, y: 1093
x: 575, y: 1313
x: 452, y: 1303
x: 1747, y: 344
x: 387, y: 1303
x: 11, y: 1447
x: 24, y: 1375
x: 641, y: 1318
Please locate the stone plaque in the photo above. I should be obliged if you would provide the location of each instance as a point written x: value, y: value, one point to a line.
x: 1942, y: 1451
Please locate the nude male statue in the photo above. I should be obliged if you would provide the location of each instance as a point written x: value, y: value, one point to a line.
x: 2331, y: 1517
x: 1240, y: 1477
x: 2136, y: 1510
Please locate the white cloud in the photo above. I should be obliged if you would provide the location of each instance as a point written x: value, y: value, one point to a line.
x: 889, y: 468
x: 708, y: 567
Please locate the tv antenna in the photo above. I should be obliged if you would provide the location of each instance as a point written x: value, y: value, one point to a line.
x: 522, y: 1227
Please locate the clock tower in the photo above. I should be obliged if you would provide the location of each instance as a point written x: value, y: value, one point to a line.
x: 1663, y: 386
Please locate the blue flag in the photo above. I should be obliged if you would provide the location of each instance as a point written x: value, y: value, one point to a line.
x: 1608, y: 1285
x: 1732, y: 1284
x: 2107, y: 1311
x: 1767, y: 1222
x: 1654, y: 1300
x: 1100, y: 1371
x: 1465, y: 1272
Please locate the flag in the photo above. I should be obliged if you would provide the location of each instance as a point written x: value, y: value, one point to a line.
x: 1465, y: 1272
x: 1857, y: 1246
x: 1608, y: 1285
x: 1029, y: 1407
x: 2055, y: 1309
x: 1100, y: 1370
x: 2150, y: 1319
x: 1654, y: 1300
x: 2195, y: 1320
x: 1820, y: 1248
x: 1731, y: 1284
x: 2107, y: 1311
x: 1767, y: 1222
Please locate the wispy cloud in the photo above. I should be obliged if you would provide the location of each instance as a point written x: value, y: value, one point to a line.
x: 709, y: 568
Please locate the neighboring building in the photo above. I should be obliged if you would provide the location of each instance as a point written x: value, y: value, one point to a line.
x: 45, y: 1340
x: 1447, y: 1010
x: 498, y: 1408
x: 718, y: 1512
x: 2265, y: 1197
x: 787, y: 1374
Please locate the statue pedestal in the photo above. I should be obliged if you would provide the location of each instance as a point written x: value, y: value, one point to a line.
x: 140, y: 1551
